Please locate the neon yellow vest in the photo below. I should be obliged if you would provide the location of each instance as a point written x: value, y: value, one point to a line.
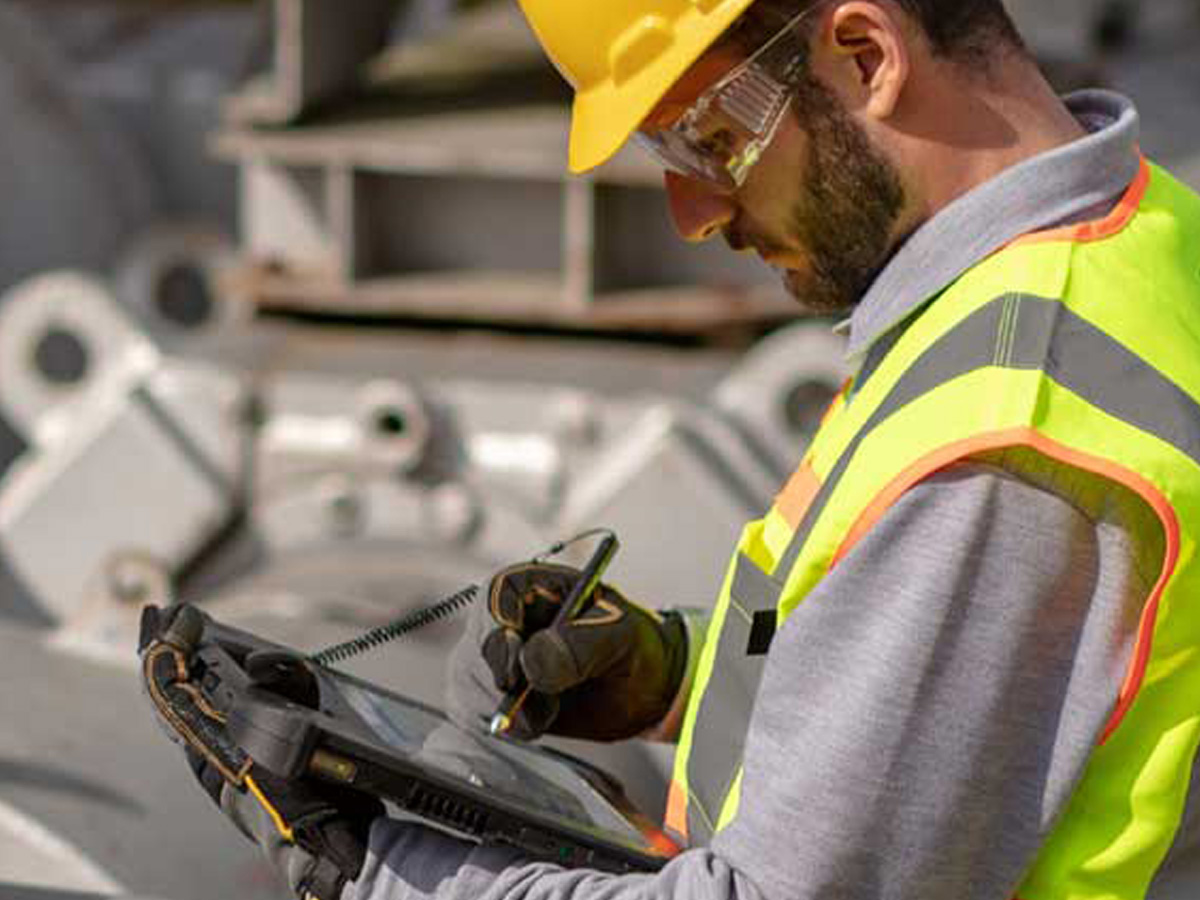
x: 1084, y: 344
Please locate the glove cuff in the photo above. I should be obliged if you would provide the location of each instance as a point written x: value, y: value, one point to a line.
x: 683, y: 633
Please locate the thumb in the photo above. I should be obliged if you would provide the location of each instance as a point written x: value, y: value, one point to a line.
x: 563, y: 656
x: 502, y: 652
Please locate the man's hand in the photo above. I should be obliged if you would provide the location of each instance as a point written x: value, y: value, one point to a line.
x: 314, y: 834
x: 610, y: 674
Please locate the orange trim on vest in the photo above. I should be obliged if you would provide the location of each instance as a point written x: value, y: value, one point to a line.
x: 1029, y: 437
x: 797, y: 495
x: 676, y: 817
x: 837, y: 400
x: 1114, y: 223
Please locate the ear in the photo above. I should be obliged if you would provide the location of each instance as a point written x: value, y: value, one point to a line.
x: 871, y: 39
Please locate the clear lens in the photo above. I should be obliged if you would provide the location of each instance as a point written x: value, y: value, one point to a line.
x: 727, y: 128
x: 675, y: 152
x: 723, y: 135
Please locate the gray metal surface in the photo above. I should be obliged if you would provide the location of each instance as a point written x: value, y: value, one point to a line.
x: 62, y: 341
x: 127, y: 460
x: 376, y: 474
x: 406, y: 207
x: 173, y: 280
x: 387, y: 215
x: 781, y: 388
x: 1151, y: 56
x: 500, y: 467
x: 1161, y: 72
x: 1059, y: 27
x: 12, y: 891
x: 74, y: 185
x: 155, y: 74
x: 318, y: 53
x: 88, y: 764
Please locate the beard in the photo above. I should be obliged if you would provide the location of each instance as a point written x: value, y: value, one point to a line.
x: 850, y: 199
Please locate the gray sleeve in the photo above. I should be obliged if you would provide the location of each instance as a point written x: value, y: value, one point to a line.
x: 923, y: 718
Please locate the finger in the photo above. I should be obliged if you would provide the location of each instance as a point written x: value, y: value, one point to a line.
x: 535, y: 717
x: 356, y: 807
x: 150, y: 626
x: 344, y: 842
x: 471, y: 693
x: 550, y: 663
x: 184, y: 629
x: 207, y: 775
x: 502, y: 653
x: 561, y: 658
x: 596, y: 712
x: 526, y: 597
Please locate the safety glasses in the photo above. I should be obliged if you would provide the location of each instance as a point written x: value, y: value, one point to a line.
x: 727, y: 129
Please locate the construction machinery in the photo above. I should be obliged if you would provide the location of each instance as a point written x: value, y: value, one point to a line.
x: 428, y: 353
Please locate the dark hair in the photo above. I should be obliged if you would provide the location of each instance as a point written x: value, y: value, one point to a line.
x: 968, y: 31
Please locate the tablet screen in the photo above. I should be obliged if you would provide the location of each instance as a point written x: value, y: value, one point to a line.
x: 524, y: 776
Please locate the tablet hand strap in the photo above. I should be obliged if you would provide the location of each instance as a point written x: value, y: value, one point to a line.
x: 168, y: 640
x: 315, y: 834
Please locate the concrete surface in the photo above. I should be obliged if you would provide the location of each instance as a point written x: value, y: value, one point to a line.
x: 33, y: 856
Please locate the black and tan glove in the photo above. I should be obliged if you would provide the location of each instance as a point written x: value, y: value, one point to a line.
x: 612, y: 673
x: 314, y: 834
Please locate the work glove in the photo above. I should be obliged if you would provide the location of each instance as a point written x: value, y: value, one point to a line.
x: 611, y: 673
x: 314, y: 834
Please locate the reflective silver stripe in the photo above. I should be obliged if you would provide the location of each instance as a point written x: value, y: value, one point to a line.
x: 1015, y: 331
x: 974, y: 343
x: 1020, y: 331
x: 1110, y: 377
x: 724, y: 716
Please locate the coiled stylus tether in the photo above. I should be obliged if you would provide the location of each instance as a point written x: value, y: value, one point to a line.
x: 427, y: 615
x: 385, y: 634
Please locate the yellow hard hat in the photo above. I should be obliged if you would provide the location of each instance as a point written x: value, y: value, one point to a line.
x: 622, y: 56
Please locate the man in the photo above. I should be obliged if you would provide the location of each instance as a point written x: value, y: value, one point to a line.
x: 959, y: 656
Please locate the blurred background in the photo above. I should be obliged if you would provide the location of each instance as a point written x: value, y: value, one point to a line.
x: 301, y: 318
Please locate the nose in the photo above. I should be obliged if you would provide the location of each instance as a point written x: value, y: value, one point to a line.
x: 698, y: 210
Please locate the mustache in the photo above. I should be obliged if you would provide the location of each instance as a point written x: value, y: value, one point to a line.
x: 740, y: 238
x: 735, y: 238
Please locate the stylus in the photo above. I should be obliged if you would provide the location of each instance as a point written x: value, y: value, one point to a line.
x: 575, y: 605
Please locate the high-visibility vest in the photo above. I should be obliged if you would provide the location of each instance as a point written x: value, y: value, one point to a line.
x: 1083, y: 344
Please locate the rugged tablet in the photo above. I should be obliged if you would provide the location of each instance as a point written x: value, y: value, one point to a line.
x: 331, y: 726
